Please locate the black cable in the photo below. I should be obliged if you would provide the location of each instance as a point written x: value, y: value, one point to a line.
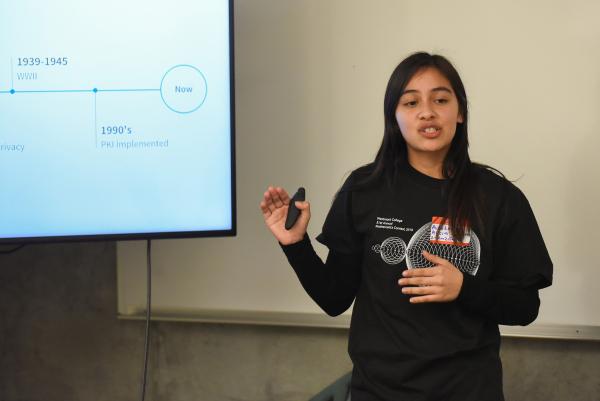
x: 15, y: 249
x: 148, y: 303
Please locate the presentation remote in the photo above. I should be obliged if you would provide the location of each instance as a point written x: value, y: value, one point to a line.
x: 293, y: 211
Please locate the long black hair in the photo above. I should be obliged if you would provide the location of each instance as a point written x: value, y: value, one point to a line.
x: 464, y: 199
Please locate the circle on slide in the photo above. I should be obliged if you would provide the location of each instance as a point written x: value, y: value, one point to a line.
x: 183, y: 88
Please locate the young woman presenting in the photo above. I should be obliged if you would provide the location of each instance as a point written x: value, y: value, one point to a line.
x: 435, y: 251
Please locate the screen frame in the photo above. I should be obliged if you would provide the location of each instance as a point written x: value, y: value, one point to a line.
x: 171, y: 234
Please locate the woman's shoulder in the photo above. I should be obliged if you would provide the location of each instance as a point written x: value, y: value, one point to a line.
x: 489, y: 176
x: 354, y: 177
x: 495, y: 184
x: 363, y: 171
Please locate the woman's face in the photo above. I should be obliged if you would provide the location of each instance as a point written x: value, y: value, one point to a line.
x: 427, y: 114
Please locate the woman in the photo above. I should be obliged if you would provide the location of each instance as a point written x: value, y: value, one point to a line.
x: 434, y: 249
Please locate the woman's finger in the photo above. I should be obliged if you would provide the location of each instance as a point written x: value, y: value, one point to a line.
x: 420, y: 272
x: 285, y: 198
x: 425, y: 298
x: 276, y: 198
x: 417, y: 281
x: 434, y: 258
x: 269, y: 200
x: 304, y: 207
x: 265, y: 210
x: 425, y: 290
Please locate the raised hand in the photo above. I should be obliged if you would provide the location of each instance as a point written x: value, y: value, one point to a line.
x: 441, y: 283
x: 274, y: 207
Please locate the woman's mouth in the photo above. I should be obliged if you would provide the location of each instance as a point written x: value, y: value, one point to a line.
x: 430, y: 132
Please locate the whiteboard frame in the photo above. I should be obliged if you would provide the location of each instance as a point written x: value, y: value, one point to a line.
x: 286, y: 319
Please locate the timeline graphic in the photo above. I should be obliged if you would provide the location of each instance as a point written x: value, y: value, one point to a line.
x: 183, y: 89
x: 116, y: 117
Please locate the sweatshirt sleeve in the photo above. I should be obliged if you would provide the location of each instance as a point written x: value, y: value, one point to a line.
x: 332, y: 285
x: 520, y: 253
x: 499, y: 303
x: 522, y: 266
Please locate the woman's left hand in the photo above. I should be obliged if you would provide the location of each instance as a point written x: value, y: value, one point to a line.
x: 441, y: 283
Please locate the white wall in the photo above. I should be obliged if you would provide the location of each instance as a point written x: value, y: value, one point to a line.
x: 310, y: 79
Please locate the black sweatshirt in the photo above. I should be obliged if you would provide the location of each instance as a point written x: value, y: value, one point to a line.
x: 333, y: 286
x: 437, y: 350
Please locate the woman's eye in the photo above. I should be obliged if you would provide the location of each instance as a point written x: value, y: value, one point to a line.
x: 442, y: 101
x: 411, y: 103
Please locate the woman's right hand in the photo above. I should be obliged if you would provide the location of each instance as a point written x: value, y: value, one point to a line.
x: 274, y: 207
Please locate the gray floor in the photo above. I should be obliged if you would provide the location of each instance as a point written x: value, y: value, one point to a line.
x: 60, y: 340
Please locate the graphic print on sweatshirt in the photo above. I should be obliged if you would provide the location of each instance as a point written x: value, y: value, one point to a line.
x: 393, y: 249
x: 434, y: 237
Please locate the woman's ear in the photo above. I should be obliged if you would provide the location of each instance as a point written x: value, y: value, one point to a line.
x: 460, y: 118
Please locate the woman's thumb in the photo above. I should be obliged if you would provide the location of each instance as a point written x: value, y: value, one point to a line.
x: 303, y: 205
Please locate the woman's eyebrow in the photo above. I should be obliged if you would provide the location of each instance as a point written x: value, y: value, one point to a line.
x: 437, y: 89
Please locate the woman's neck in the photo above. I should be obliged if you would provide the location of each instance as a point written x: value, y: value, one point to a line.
x: 427, y: 163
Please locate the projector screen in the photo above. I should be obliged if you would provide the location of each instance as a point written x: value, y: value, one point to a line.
x: 116, y: 119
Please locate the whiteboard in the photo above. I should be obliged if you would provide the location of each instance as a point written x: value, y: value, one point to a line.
x: 310, y: 80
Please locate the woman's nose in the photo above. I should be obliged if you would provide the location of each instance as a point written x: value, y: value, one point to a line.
x: 426, y: 113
